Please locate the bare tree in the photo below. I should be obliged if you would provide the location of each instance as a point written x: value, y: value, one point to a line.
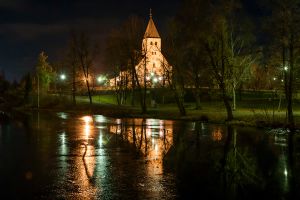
x: 73, y: 62
x: 190, y: 22
x: 175, y: 76
x: 217, y: 50
x: 286, y: 20
x: 84, y: 53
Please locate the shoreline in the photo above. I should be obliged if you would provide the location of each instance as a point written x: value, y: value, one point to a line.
x: 115, y: 111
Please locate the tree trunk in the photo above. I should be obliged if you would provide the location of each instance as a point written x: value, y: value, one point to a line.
x: 226, y: 103
x: 74, y: 85
x: 290, y: 85
x: 179, y: 104
x: 140, y: 90
x: 133, y: 86
x: 198, y: 102
x: 197, y: 96
x: 197, y: 89
x: 144, y: 106
x: 234, y: 98
x: 89, y: 91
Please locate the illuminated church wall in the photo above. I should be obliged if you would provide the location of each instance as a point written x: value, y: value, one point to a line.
x: 154, y: 62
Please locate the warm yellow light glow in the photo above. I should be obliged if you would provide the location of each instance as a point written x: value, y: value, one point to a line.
x: 87, y: 119
x: 87, y: 127
x: 217, y: 135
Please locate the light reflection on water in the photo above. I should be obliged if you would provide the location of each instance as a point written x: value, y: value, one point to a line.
x: 106, y: 158
x: 151, y: 138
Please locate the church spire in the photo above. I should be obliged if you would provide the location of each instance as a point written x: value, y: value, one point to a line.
x: 151, y: 31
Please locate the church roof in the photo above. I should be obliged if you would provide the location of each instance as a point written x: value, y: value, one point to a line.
x: 151, y: 31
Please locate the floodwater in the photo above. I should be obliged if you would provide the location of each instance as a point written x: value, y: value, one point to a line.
x: 71, y: 156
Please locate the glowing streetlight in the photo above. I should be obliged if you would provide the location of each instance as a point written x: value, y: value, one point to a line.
x: 62, y: 77
x: 274, y: 78
x: 286, y: 68
x: 100, y: 79
x: 155, y: 80
x: 285, y: 172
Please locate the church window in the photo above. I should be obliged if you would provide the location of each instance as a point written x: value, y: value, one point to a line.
x: 155, y: 43
x: 151, y: 43
x: 153, y: 65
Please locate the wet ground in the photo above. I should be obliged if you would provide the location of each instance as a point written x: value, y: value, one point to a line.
x: 70, y: 156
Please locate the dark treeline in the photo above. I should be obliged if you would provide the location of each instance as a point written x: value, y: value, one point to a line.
x: 217, y: 44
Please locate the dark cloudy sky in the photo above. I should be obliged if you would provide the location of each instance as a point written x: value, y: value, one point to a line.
x: 30, y: 26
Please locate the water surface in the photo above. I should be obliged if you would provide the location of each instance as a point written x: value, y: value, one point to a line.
x: 71, y: 156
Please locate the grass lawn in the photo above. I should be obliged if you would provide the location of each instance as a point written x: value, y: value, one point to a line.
x: 253, y: 112
x: 250, y: 111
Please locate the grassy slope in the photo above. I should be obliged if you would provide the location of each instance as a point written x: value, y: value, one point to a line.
x: 253, y: 112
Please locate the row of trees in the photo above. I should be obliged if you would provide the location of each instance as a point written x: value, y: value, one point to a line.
x: 212, y: 38
x: 214, y: 44
x: 123, y: 53
x: 74, y: 72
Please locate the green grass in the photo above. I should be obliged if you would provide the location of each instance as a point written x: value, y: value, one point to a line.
x: 251, y: 111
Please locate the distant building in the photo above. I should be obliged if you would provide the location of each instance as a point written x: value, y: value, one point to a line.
x: 153, y: 66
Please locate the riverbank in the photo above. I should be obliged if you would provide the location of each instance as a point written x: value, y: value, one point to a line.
x: 213, y: 112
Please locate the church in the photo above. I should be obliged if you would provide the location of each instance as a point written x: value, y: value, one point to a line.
x: 153, y: 68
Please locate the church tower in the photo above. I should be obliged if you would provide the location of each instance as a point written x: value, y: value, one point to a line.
x: 153, y: 69
x: 151, y: 48
x: 152, y: 40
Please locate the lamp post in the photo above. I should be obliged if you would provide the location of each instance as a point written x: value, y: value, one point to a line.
x: 101, y: 81
x: 62, y: 78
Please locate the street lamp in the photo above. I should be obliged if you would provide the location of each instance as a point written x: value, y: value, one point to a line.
x: 62, y: 77
x: 101, y: 79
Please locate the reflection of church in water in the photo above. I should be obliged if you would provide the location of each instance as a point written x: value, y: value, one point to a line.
x: 152, y: 137
x: 153, y: 68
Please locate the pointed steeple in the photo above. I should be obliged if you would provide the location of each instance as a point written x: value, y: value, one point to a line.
x: 151, y: 31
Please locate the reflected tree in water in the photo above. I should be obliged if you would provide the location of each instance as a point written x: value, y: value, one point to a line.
x: 238, y: 168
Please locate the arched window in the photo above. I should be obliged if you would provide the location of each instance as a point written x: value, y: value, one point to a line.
x: 155, y: 43
x: 151, y: 43
x: 153, y: 65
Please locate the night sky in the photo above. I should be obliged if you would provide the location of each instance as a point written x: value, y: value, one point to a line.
x: 30, y: 26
